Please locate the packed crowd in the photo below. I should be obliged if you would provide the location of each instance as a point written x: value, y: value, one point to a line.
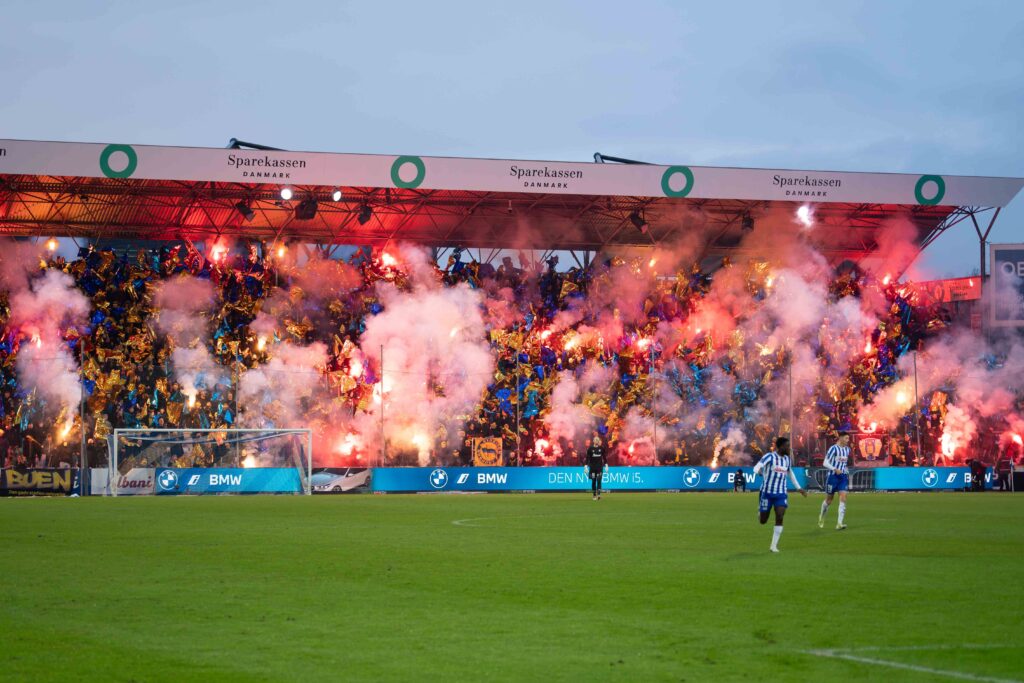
x: 634, y: 383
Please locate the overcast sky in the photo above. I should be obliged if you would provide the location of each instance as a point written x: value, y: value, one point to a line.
x: 923, y: 87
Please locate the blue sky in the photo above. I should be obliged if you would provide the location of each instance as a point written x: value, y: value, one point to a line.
x: 924, y: 87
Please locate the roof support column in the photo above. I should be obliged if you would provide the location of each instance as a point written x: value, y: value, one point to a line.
x: 983, y: 239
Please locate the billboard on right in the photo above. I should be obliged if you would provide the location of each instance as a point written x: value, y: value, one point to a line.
x: 1007, y: 282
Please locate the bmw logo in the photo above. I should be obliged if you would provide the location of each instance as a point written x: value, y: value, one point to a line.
x: 168, y: 480
x: 691, y: 477
x: 439, y: 479
x: 929, y: 478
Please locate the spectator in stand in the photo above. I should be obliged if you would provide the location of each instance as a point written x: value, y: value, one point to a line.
x: 739, y: 482
x: 977, y: 475
x: 1004, y: 469
x: 465, y: 449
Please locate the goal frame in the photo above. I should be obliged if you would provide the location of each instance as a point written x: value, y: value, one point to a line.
x: 307, y: 483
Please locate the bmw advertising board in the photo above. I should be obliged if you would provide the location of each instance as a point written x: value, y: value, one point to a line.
x: 227, y: 480
x: 441, y: 479
x: 926, y: 478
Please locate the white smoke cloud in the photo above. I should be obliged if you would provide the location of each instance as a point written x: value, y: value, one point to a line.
x: 277, y: 393
x: 436, y: 360
x: 184, y: 305
x: 43, y: 309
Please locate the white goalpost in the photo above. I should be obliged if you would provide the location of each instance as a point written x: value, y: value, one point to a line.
x: 209, y: 461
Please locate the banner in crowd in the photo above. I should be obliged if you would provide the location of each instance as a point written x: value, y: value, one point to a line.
x: 926, y: 478
x: 414, y: 479
x: 38, y: 480
x: 869, y: 448
x: 487, y: 452
x: 950, y: 290
x: 135, y: 482
x: 227, y: 480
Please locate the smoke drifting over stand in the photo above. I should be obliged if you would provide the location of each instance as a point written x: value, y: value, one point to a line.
x: 391, y: 358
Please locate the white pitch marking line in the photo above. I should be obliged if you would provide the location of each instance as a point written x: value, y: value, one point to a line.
x: 468, y: 520
x: 912, y: 648
x: 908, y: 667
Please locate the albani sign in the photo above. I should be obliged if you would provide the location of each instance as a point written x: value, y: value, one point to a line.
x: 137, y: 481
x: 200, y: 164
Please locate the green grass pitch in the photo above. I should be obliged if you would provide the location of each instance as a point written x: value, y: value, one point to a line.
x: 635, y: 587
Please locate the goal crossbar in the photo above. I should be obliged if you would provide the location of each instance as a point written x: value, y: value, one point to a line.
x: 245, y: 435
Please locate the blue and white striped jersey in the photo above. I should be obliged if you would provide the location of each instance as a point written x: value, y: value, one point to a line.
x: 837, y: 459
x: 775, y: 470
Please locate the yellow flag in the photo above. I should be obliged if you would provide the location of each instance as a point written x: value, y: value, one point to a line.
x: 487, y: 452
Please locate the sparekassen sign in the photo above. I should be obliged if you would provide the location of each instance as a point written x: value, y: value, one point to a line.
x: 201, y: 164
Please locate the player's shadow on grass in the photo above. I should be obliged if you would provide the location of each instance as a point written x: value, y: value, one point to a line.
x: 745, y: 556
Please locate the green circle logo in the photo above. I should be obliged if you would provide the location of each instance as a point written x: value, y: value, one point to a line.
x: 421, y: 172
x: 110, y: 150
x: 940, y: 190
x: 666, y: 181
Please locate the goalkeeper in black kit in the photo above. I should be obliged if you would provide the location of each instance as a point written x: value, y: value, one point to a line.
x: 596, y: 461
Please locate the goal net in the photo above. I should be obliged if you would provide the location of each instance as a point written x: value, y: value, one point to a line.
x: 204, y: 461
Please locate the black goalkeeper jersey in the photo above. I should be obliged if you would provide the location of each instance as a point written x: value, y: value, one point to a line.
x: 595, y: 458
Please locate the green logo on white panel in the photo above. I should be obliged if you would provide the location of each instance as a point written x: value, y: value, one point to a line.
x: 670, y: 173
x: 930, y: 190
x: 396, y: 170
x: 121, y: 156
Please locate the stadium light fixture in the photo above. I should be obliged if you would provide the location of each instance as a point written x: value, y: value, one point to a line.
x: 637, y: 219
x: 306, y: 209
x: 286, y: 193
x: 805, y: 216
x: 365, y: 212
x: 336, y: 195
x: 243, y: 208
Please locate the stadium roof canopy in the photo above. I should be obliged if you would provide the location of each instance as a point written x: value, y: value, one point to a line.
x: 117, y: 191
